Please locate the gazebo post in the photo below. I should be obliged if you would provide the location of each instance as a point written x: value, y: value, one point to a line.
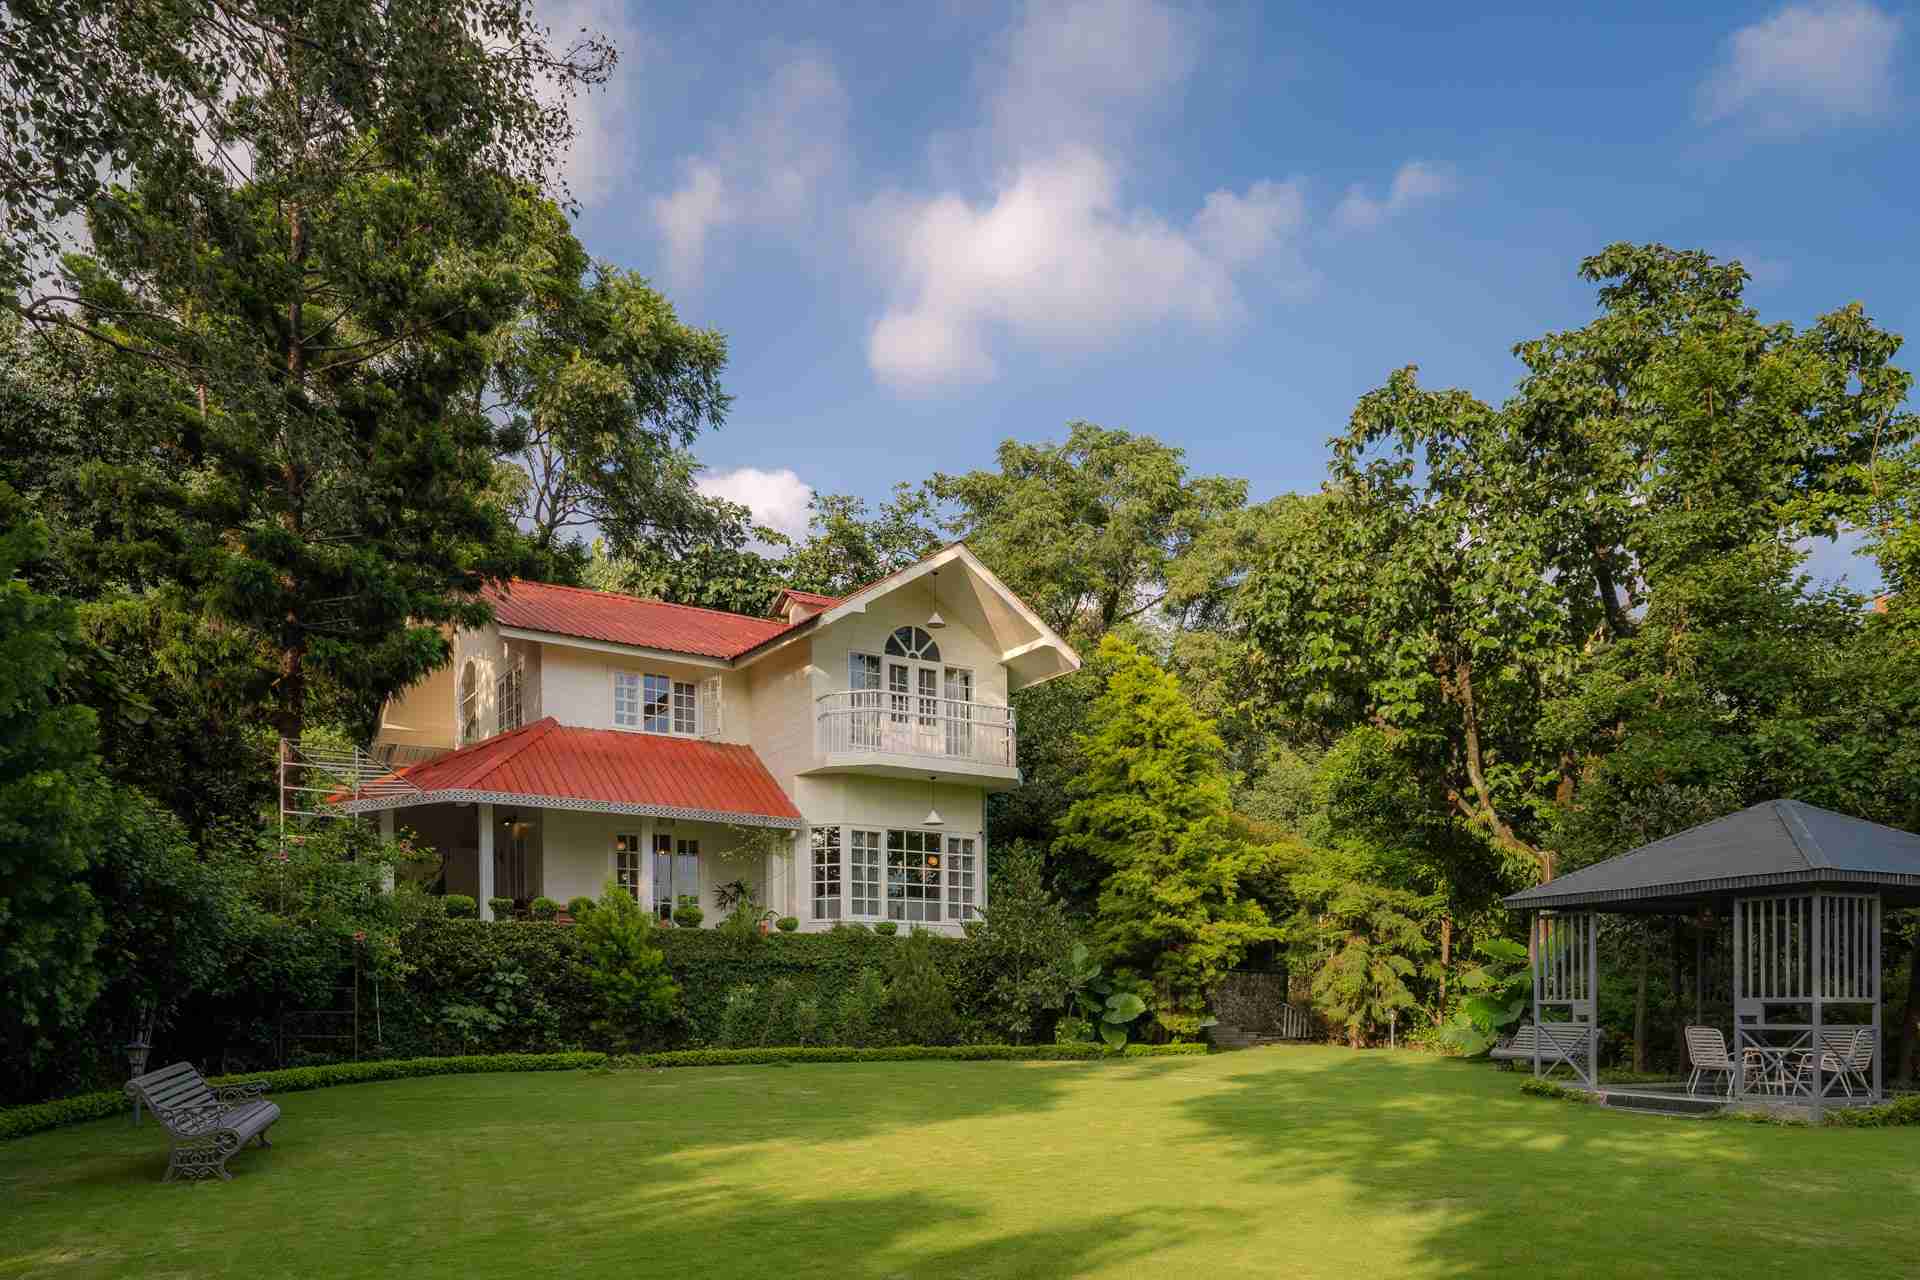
x: 1823, y: 943
x: 1739, y: 1064
x: 1537, y: 945
x: 1878, y: 913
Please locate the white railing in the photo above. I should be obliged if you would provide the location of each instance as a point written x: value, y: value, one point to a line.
x: 908, y: 724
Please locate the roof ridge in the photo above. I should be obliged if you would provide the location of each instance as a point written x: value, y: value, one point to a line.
x: 1788, y: 812
x: 663, y: 604
x: 527, y: 736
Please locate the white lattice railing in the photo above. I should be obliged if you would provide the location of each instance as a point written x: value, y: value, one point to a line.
x: 319, y: 782
x: 909, y: 724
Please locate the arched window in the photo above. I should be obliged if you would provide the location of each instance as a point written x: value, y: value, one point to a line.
x: 469, y: 702
x: 912, y: 642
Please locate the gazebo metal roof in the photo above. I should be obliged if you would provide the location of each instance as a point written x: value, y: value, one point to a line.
x: 1782, y: 844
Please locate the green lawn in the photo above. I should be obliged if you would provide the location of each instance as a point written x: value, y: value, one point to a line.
x: 1283, y: 1161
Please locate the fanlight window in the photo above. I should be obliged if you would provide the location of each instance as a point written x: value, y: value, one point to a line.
x: 912, y: 642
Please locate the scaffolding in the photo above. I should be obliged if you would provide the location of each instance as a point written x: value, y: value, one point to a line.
x: 330, y: 783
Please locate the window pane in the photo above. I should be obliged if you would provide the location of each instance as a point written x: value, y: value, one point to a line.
x: 961, y: 868
x: 626, y: 700
x: 654, y: 716
x: 826, y: 873
x: 866, y: 873
x: 685, y: 717
x: 626, y: 863
x: 662, y: 874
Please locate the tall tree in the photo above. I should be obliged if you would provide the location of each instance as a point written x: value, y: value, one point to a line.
x: 845, y: 548
x: 311, y: 251
x: 1152, y: 811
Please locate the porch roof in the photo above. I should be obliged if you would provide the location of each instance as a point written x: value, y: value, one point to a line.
x: 548, y: 765
x: 1776, y: 844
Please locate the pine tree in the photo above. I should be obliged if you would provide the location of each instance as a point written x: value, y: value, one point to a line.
x: 1152, y: 809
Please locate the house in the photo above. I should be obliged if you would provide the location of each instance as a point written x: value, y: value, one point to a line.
x: 833, y: 758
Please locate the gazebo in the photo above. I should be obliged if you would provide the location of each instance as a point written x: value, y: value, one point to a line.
x: 1795, y: 894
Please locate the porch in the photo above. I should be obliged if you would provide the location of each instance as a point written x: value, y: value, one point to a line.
x: 551, y: 811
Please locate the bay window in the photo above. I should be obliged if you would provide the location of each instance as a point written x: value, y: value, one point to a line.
x: 929, y: 877
x: 913, y: 875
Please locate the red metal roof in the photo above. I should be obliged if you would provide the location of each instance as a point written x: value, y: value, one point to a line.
x: 810, y: 597
x: 608, y: 766
x: 618, y: 619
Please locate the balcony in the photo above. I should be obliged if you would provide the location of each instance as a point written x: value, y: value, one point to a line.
x: 909, y: 736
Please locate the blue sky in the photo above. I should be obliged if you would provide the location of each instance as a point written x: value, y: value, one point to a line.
x: 925, y: 229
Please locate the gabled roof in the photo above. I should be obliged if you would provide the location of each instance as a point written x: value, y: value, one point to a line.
x: 553, y: 766
x: 1779, y: 843
x: 812, y: 599
x: 629, y: 620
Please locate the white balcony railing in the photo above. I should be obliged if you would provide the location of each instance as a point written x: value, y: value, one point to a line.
x: 904, y: 724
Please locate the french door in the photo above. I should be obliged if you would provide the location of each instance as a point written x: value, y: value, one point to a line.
x: 913, y: 707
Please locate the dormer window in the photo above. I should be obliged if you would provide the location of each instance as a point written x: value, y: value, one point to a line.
x: 912, y: 642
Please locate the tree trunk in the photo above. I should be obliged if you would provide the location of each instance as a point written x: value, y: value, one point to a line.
x: 1640, y: 1010
x: 1446, y: 956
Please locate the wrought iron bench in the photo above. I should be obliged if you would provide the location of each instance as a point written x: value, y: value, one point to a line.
x: 1559, y: 1043
x: 206, y: 1125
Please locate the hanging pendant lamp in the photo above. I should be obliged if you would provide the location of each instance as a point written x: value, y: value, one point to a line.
x: 934, y: 620
x: 933, y: 818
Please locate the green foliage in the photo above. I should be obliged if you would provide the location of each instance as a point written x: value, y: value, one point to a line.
x: 461, y: 907
x: 1537, y: 1088
x: 1102, y: 1006
x: 1152, y: 809
x: 626, y: 974
x: 785, y: 1054
x: 1899, y: 1112
x: 544, y: 908
x: 1364, y: 943
x: 788, y: 924
x: 1022, y: 945
x: 502, y: 908
x: 688, y: 915
x: 51, y: 806
x: 579, y: 907
x: 1496, y: 993
x: 919, y: 1002
x: 860, y: 1014
x: 886, y: 928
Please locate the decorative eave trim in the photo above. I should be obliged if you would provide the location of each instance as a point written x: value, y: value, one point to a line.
x: 1543, y: 897
x: 463, y: 795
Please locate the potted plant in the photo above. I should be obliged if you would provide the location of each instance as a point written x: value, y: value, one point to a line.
x: 887, y: 928
x: 545, y: 908
x: 788, y: 924
x: 687, y: 913
x: 502, y: 908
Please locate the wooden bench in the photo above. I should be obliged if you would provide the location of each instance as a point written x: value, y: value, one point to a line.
x: 1561, y: 1044
x: 206, y: 1125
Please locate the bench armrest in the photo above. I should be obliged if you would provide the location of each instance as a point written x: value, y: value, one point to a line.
x: 230, y: 1094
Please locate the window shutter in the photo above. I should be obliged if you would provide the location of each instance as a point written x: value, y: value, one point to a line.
x: 710, y: 707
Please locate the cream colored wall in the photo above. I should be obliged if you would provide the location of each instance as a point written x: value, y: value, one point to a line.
x: 423, y: 715
x: 960, y: 646
x: 782, y: 687
x: 577, y: 687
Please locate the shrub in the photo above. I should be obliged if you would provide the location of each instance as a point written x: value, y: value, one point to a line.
x: 919, y: 1000
x: 860, y: 1018
x: 781, y: 1054
x: 886, y: 928
x: 688, y: 915
x: 740, y: 1017
x: 627, y: 975
x: 788, y: 924
x: 806, y: 1021
x: 1021, y: 946
x: 460, y: 907
x: 579, y: 907
x: 1901, y: 1111
x: 502, y: 908
x: 545, y: 908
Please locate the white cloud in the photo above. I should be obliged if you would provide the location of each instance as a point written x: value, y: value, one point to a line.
x: 1078, y: 72
x: 1416, y: 182
x: 1056, y: 256
x: 1055, y: 250
x: 778, y: 499
x: 769, y: 167
x: 1809, y: 64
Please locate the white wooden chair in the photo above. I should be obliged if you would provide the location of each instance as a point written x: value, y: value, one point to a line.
x: 1707, y: 1051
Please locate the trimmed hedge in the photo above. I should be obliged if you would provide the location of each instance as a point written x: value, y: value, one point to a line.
x: 17, y: 1122
x: 907, y: 1053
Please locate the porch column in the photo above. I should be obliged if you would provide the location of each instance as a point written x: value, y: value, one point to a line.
x: 386, y: 833
x: 485, y: 868
x: 646, y: 865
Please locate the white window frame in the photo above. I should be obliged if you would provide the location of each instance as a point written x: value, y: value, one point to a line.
x: 863, y: 899
x: 964, y: 882
x: 827, y: 875
x: 629, y: 846
x: 509, y: 692
x: 679, y: 715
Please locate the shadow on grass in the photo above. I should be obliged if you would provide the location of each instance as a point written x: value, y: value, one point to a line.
x: 737, y: 1171
x: 1492, y: 1179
